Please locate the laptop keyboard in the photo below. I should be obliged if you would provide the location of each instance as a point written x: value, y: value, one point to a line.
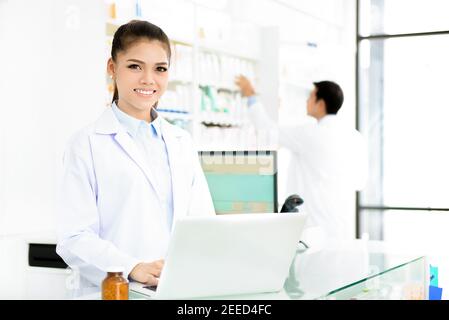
x: 152, y: 288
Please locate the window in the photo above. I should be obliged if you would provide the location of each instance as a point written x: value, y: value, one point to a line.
x: 403, y: 110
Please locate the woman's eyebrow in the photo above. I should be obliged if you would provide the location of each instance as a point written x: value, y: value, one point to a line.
x: 135, y: 60
x: 141, y: 62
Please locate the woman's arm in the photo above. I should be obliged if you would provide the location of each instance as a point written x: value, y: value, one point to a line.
x: 79, y: 243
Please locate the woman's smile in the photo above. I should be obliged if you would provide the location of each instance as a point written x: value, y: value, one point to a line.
x: 146, y: 93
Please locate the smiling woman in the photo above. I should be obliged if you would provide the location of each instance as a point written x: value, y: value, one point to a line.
x: 140, y: 58
x: 131, y: 174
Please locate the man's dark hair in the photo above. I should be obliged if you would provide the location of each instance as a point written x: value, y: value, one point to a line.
x: 332, y: 95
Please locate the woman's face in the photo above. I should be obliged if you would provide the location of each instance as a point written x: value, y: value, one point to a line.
x: 141, y: 77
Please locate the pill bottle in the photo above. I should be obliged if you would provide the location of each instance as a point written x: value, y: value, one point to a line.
x: 114, y: 286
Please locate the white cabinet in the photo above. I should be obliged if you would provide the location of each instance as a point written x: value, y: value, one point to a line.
x: 12, y: 267
x: 21, y: 281
x: 47, y: 283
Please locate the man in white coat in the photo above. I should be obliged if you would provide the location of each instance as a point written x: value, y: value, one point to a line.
x: 329, y: 160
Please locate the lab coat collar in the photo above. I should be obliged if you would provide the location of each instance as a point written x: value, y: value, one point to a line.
x: 109, y: 124
x: 131, y: 124
x: 328, y: 119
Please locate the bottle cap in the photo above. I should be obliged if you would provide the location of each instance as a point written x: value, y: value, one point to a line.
x: 115, y: 269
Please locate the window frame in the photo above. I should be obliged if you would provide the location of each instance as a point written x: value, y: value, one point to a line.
x: 376, y: 208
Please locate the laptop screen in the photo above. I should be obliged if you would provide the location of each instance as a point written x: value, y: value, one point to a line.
x: 241, y: 181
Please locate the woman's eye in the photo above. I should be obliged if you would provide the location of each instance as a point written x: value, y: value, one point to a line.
x: 134, y: 67
x: 161, y: 69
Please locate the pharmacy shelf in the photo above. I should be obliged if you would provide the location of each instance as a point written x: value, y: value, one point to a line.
x: 220, y: 87
x: 182, y: 42
x: 219, y: 124
x: 180, y: 81
x: 219, y: 119
x: 217, y: 86
x: 111, y: 27
x: 221, y: 50
x: 175, y: 114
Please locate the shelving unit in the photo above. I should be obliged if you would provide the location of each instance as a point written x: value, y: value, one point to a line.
x: 201, y: 96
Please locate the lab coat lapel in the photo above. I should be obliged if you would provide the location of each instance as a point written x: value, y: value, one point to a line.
x: 108, y: 124
x: 125, y: 141
x: 172, y: 142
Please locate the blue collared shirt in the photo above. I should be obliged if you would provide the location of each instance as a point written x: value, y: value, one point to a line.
x: 150, y: 142
x: 251, y: 100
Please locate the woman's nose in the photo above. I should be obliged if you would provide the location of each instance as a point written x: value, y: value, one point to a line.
x: 147, y: 78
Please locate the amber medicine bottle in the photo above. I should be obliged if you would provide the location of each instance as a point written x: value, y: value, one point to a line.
x: 114, y: 286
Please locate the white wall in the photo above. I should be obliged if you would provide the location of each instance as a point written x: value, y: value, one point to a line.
x: 52, y: 83
x: 55, y: 84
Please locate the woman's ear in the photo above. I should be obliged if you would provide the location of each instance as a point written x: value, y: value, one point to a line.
x: 111, y: 68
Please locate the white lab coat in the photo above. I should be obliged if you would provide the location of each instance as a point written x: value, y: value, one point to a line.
x: 328, y: 164
x: 110, y: 212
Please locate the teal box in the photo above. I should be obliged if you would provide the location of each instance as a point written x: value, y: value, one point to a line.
x: 433, y: 276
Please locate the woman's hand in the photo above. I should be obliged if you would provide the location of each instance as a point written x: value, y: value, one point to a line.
x: 147, y: 273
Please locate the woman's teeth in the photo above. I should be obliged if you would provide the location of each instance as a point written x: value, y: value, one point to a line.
x: 145, y: 92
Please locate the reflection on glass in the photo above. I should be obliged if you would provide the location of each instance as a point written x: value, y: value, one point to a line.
x: 356, y: 270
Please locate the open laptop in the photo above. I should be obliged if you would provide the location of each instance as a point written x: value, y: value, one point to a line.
x: 227, y: 255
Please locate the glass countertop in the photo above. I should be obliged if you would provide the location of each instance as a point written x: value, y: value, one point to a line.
x: 363, y: 266
x: 355, y: 269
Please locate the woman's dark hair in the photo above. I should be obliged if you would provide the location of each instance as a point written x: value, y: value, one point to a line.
x: 332, y: 95
x: 133, y: 31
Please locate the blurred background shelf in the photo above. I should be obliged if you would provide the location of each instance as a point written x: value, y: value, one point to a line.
x: 175, y: 114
